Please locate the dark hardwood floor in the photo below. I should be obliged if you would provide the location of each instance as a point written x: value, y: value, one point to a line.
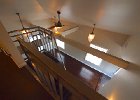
x: 86, y: 74
x: 18, y: 84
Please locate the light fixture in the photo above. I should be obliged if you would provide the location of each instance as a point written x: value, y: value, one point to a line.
x: 24, y: 31
x: 25, y: 35
x: 56, y: 31
x: 58, y: 24
x: 23, y: 28
x: 91, y: 35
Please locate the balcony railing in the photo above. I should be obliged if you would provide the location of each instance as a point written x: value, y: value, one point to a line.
x: 47, y: 66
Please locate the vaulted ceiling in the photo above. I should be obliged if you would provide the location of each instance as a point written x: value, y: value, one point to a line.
x: 121, y: 16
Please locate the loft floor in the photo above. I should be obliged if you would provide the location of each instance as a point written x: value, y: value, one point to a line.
x: 18, y: 84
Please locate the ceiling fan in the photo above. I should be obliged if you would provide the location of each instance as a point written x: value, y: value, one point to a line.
x: 59, y: 29
x: 57, y: 24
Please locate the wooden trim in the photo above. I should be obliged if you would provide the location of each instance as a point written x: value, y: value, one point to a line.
x: 46, y: 88
x: 22, y: 29
x: 107, y: 57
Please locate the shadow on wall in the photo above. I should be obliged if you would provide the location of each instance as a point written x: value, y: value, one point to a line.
x: 134, y: 68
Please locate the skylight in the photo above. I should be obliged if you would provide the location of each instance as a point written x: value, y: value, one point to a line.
x: 60, y: 44
x: 98, y: 48
x: 93, y: 59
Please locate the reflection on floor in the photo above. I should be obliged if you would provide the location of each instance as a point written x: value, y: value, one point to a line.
x: 88, y: 75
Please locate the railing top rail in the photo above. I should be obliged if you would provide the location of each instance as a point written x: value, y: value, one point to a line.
x: 36, y: 27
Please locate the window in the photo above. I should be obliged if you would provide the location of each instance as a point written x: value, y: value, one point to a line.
x: 98, y: 48
x: 34, y: 38
x: 60, y: 44
x: 93, y: 59
x: 40, y: 48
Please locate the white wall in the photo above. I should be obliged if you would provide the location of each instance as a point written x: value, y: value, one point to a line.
x: 125, y: 85
x: 106, y: 39
x: 131, y: 50
x: 7, y: 44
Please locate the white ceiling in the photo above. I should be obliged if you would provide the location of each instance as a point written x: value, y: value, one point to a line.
x: 121, y: 16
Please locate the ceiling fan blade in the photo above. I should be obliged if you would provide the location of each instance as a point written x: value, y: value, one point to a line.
x: 51, y: 27
x: 53, y: 19
x: 70, y: 30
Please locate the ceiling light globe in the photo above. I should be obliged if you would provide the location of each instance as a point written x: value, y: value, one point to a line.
x: 91, y: 37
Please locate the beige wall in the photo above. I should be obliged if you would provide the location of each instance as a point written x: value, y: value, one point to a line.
x: 131, y: 49
x: 125, y: 85
x: 7, y: 44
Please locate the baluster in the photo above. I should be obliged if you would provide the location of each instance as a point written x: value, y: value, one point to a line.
x: 61, y: 90
x: 53, y: 84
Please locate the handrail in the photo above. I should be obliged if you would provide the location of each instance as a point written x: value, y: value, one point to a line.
x: 65, y: 77
x: 40, y: 37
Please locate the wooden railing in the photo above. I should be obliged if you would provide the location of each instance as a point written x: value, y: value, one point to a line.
x: 5, y: 52
x: 60, y: 83
x: 41, y: 38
